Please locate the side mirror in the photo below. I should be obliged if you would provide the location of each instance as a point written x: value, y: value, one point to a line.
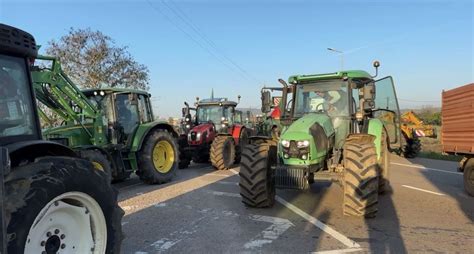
x: 266, y: 101
x: 368, y: 94
x: 184, y: 111
x: 376, y: 66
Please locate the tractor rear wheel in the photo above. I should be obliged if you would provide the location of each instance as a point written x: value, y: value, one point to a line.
x: 158, y: 159
x: 61, y: 204
x: 257, y: 181
x: 360, y: 178
x: 100, y: 162
x: 412, y: 147
x: 469, y: 177
x: 223, y: 152
x: 243, y: 141
x: 384, y: 165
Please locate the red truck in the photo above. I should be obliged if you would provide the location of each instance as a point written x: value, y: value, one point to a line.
x: 457, y: 135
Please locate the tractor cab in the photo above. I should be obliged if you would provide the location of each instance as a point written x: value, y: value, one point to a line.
x: 219, y: 112
x: 123, y: 110
x: 17, y: 111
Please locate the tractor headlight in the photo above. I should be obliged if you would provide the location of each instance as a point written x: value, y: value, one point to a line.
x: 187, y: 119
x: 198, y: 136
x: 223, y: 125
x: 188, y: 126
x: 302, y: 143
x: 102, y: 93
x: 222, y: 118
x: 285, y: 143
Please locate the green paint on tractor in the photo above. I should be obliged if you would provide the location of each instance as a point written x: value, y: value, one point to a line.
x: 326, y: 127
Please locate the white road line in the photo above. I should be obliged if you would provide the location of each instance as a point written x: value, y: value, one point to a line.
x: 215, y: 174
x: 328, y: 230
x: 278, y: 227
x: 226, y: 194
x: 427, y: 191
x: 338, y: 236
x: 129, y: 186
x: 234, y: 171
x: 338, y: 251
x: 425, y: 168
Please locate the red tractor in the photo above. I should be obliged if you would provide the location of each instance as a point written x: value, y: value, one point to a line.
x: 216, y: 132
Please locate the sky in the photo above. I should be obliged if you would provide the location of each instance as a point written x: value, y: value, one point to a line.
x: 236, y: 47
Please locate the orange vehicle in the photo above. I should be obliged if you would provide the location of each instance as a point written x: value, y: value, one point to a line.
x: 457, y: 135
x: 411, y: 121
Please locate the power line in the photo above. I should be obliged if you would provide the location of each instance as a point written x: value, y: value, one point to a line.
x: 400, y: 99
x: 173, y: 22
x: 201, y: 34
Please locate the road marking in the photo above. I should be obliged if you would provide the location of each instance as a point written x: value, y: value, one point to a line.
x: 425, y: 168
x: 227, y: 183
x: 278, y: 227
x: 151, y: 198
x: 215, y: 174
x: 164, y: 244
x: 226, y: 194
x: 427, y: 191
x: 338, y: 236
x: 130, y: 186
x: 234, y: 171
x: 338, y: 251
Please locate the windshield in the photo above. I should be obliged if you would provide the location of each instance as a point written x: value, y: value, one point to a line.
x: 212, y: 113
x: 16, y: 110
x: 323, y: 96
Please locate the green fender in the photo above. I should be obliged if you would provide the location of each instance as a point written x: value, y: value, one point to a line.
x: 375, y: 128
x: 143, y: 130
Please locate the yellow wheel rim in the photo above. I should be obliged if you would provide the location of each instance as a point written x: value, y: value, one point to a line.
x: 163, y: 156
x: 98, y: 166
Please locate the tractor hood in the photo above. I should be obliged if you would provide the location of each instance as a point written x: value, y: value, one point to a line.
x: 300, y: 129
x: 202, y: 127
x: 314, y: 128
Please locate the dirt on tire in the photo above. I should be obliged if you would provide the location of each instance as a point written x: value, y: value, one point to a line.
x: 222, y: 152
x: 360, y: 179
x: 257, y: 182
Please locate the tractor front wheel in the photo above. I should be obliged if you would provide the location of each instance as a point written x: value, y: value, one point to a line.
x: 222, y: 152
x: 257, y: 182
x: 159, y: 158
x: 61, y: 205
x: 100, y: 162
x: 360, y: 178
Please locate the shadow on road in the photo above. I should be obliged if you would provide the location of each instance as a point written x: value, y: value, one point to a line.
x: 449, y: 184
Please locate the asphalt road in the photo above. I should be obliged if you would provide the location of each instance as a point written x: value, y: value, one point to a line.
x: 201, y: 212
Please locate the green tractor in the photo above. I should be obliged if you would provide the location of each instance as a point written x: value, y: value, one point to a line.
x: 112, y: 127
x: 330, y: 127
x: 51, y: 201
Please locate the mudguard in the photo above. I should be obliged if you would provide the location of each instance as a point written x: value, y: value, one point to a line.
x: 236, y: 130
x: 29, y: 150
x: 375, y: 128
x: 143, y: 130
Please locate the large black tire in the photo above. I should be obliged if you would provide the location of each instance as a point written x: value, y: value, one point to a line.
x: 222, y: 152
x: 31, y: 187
x: 100, y: 162
x: 360, y: 178
x: 257, y: 181
x: 184, y: 160
x: 384, y: 165
x: 469, y: 177
x: 244, y: 140
x: 149, y: 168
x: 412, y: 147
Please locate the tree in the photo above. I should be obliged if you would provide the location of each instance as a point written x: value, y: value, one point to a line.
x: 92, y: 60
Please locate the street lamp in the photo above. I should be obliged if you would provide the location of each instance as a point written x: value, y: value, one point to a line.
x: 341, y: 54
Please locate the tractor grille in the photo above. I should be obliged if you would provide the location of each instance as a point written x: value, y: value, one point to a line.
x: 291, y: 178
